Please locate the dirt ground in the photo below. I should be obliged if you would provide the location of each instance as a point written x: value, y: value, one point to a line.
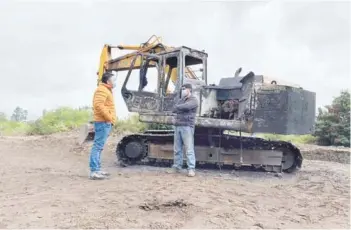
x: 44, y: 184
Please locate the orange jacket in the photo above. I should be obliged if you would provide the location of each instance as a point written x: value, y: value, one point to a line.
x: 103, y: 104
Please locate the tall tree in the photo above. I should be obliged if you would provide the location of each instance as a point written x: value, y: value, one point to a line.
x: 3, y: 116
x: 333, y: 122
x: 19, y: 114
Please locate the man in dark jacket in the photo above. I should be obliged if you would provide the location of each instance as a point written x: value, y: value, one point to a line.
x: 185, y: 110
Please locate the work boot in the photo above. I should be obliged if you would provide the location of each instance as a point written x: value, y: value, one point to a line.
x: 191, y: 173
x: 104, y: 173
x: 96, y: 176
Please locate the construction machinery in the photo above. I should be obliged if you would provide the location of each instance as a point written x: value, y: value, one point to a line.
x: 245, y: 103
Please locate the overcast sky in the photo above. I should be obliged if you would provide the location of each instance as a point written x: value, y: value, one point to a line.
x: 49, y: 50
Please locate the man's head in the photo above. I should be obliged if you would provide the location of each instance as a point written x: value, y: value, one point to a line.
x: 109, y: 79
x: 186, y: 90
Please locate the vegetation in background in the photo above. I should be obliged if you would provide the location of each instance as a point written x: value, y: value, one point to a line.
x: 19, y: 115
x: 131, y: 124
x: 296, y: 139
x: 16, y: 125
x: 59, y: 120
x: 8, y: 127
x: 333, y: 122
x: 2, y: 117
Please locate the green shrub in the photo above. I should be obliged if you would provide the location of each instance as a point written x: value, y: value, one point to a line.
x: 297, y: 139
x: 12, y: 127
x: 59, y: 120
x: 131, y: 124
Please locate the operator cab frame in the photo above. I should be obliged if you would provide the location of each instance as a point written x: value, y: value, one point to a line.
x: 174, y: 68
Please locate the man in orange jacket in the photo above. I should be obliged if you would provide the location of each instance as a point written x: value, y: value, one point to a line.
x: 104, y: 119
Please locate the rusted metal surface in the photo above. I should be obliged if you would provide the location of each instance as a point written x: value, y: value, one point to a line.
x: 221, y: 155
x: 242, y: 103
x: 199, y: 121
x: 160, y: 151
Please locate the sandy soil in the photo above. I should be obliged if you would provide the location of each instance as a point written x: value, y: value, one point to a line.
x: 44, y: 184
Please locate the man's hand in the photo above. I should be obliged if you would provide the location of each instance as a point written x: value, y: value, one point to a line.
x: 175, y: 109
x: 113, y: 122
x: 188, y: 105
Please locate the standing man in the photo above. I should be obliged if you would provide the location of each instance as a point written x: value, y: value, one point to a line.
x: 104, y: 118
x: 185, y: 110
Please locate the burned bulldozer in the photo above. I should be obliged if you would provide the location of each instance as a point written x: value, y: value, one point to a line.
x: 245, y: 103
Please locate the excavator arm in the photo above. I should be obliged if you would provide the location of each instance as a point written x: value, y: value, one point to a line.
x: 153, y: 46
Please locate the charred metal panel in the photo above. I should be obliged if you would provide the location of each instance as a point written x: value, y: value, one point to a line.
x: 169, y: 102
x: 160, y: 151
x: 208, y: 101
x: 301, y: 111
x: 245, y: 102
x: 141, y: 101
x: 219, y: 155
x: 284, y: 110
x: 199, y: 121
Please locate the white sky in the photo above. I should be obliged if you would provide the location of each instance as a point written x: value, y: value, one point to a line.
x: 49, y: 50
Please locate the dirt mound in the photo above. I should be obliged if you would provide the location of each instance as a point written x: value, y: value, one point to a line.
x: 325, y: 153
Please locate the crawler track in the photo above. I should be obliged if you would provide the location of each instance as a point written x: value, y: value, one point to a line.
x: 240, y: 150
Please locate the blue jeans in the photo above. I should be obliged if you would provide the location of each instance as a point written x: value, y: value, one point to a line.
x: 102, y: 130
x: 184, y: 135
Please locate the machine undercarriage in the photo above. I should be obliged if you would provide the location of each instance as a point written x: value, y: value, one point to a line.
x: 211, y: 147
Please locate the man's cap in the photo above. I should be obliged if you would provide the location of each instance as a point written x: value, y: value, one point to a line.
x: 187, y: 86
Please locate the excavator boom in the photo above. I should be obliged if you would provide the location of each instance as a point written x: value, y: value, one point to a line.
x: 153, y: 46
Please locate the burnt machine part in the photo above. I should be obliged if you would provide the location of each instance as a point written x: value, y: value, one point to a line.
x: 232, y: 96
x: 204, y: 122
x: 217, y: 149
x: 246, y: 104
x: 284, y: 110
x: 243, y: 104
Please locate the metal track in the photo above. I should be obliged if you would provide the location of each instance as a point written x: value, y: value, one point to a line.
x: 135, y: 148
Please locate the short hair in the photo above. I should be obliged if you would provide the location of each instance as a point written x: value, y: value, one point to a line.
x: 188, y: 86
x: 106, y: 76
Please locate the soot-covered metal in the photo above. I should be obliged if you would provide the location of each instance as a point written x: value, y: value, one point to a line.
x: 246, y: 103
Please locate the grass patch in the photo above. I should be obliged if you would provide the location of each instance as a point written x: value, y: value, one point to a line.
x: 13, y: 127
x: 131, y: 124
x: 296, y: 139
